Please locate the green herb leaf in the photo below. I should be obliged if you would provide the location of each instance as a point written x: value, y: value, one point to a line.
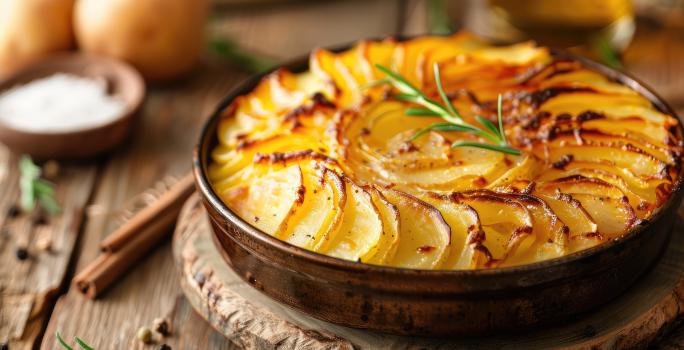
x: 502, y: 149
x: 438, y: 18
x: 83, y: 344
x: 420, y: 112
x: 239, y: 57
x: 442, y: 127
x: 398, y: 81
x: 501, y: 128
x: 442, y: 93
x: 489, y: 125
x: 409, y: 93
x: 34, y: 190
x: 62, y: 342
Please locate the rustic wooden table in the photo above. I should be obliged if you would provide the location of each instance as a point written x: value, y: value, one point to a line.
x: 36, y: 299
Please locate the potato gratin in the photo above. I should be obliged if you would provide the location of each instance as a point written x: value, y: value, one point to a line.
x: 322, y: 161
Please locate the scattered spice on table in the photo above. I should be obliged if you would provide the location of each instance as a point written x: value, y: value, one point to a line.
x: 12, y: 212
x: 58, y: 103
x: 144, y: 334
x: 161, y: 326
x: 21, y: 253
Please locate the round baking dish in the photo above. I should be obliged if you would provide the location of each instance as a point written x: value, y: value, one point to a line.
x: 433, y: 302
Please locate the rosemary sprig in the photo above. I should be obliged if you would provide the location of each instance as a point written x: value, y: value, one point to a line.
x: 454, y: 121
x: 248, y: 61
x: 78, y: 340
x: 35, y: 190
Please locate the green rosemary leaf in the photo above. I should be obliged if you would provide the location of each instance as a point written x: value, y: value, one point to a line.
x: 420, y: 112
x: 489, y: 125
x: 442, y: 93
x: 62, y: 342
x: 232, y: 52
x: 83, y: 344
x: 438, y: 18
x: 443, y: 127
x: 406, y: 97
x: 29, y: 172
x: 33, y: 189
x: 48, y: 202
x: 498, y: 114
x: 42, y: 187
x: 400, y: 82
x: 607, y: 53
x: 502, y: 149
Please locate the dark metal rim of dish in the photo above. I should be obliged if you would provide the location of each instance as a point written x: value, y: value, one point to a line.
x: 208, y: 139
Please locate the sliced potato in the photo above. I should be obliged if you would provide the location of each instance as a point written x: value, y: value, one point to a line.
x: 320, y: 214
x: 607, y: 205
x: 266, y: 199
x: 467, y: 235
x: 425, y: 236
x: 508, y: 225
x: 389, y: 241
x: 359, y: 235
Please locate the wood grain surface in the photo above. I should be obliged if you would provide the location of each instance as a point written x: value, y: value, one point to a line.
x: 93, y: 193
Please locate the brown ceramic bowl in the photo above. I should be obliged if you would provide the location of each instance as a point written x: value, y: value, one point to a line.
x: 122, y: 80
x: 433, y: 302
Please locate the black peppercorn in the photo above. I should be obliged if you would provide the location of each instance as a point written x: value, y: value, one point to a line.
x: 22, y: 253
x: 164, y: 347
x: 161, y: 325
x: 13, y: 211
x: 40, y: 219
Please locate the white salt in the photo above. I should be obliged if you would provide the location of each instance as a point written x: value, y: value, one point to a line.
x: 59, y: 103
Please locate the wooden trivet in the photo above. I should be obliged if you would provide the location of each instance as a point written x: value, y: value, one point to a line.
x: 248, y: 318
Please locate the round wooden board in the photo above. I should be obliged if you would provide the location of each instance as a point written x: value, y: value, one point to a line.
x: 250, y: 319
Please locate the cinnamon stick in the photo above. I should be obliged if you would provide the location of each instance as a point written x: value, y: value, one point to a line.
x: 166, y: 209
x: 123, y: 248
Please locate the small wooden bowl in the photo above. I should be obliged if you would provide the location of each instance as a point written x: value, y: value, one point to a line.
x: 122, y: 80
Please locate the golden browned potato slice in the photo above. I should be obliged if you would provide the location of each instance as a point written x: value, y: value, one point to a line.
x: 647, y: 190
x: 578, y: 137
x: 643, y: 201
x: 320, y: 214
x: 584, y: 78
x: 526, y: 168
x: 612, y: 106
x: 267, y: 198
x: 607, y: 205
x: 634, y: 127
x: 230, y: 161
x: 640, y: 163
x: 328, y: 66
x: 508, y: 225
x: 389, y: 240
x: 425, y: 236
x: 581, y: 225
x: 467, y: 250
x: 361, y: 229
x: 376, y: 148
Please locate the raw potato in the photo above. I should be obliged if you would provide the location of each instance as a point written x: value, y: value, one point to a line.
x: 31, y: 29
x: 162, y: 38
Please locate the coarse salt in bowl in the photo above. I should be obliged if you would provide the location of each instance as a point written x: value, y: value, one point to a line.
x: 58, y: 103
x: 69, y: 106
